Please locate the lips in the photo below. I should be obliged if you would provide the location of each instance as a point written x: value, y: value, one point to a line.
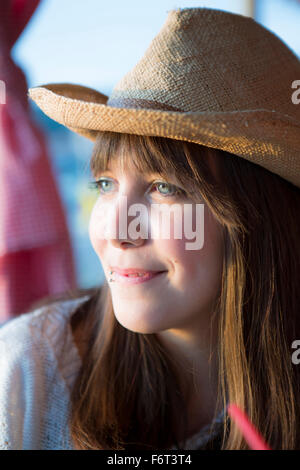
x: 133, y: 279
x: 134, y: 271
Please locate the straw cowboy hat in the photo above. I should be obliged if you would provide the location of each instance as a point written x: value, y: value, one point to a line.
x: 210, y: 77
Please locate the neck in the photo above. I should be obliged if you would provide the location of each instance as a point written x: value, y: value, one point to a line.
x: 196, y: 358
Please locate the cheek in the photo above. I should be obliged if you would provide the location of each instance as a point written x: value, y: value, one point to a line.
x: 202, y: 265
x: 97, y: 229
x: 209, y: 260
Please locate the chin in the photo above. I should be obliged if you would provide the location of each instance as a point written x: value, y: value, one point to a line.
x: 136, y: 327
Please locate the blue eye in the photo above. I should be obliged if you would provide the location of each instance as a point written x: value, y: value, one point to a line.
x: 162, y: 184
x: 98, y: 185
x: 102, y: 185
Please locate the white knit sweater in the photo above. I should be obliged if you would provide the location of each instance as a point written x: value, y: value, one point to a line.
x: 39, y: 362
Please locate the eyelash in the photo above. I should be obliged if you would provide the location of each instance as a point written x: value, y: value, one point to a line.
x: 96, y: 185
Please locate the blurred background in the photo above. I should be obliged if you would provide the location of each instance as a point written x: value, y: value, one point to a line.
x: 44, y: 168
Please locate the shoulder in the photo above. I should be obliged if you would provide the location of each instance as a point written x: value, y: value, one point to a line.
x: 39, y: 343
x: 37, y: 363
x: 44, y: 326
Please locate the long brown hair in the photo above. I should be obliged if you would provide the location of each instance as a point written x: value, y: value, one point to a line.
x: 127, y: 392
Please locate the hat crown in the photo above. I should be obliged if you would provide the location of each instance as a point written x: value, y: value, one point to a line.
x: 210, y: 60
x: 230, y: 82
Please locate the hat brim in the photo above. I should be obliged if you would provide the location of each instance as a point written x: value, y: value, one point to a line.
x: 266, y: 137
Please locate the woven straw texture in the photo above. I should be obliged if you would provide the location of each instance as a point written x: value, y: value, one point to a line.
x: 209, y: 77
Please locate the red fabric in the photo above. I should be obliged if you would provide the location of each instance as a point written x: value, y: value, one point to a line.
x: 35, y: 250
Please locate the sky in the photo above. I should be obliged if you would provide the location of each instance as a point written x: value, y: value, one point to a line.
x: 95, y: 42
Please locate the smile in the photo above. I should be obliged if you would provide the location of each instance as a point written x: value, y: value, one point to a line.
x: 136, y: 278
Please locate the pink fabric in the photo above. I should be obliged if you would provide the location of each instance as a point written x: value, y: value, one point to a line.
x: 35, y: 250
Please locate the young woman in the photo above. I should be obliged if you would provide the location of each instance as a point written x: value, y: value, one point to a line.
x: 151, y: 361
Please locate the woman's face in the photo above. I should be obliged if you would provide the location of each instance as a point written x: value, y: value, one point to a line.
x: 183, y: 296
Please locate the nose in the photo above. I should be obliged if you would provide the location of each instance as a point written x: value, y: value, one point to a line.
x: 123, y: 233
